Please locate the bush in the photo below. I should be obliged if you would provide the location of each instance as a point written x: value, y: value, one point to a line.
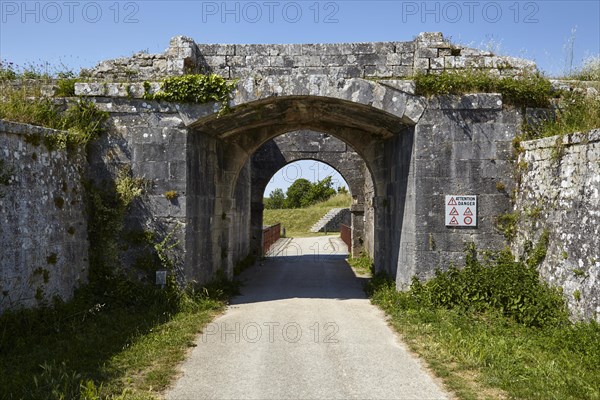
x: 497, y: 283
x: 276, y: 200
x: 194, y: 89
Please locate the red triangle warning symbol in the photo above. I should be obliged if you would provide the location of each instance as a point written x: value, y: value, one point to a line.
x: 468, y: 211
x: 454, y: 211
x: 453, y: 221
x: 452, y: 202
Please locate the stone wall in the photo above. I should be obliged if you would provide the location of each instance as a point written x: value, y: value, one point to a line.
x: 43, y: 226
x: 343, y: 216
x: 427, y: 53
x: 151, y: 139
x: 560, y: 192
x: 462, y: 145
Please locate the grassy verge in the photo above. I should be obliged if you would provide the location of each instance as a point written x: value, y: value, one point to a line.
x: 490, y: 331
x: 362, y: 265
x: 298, y: 221
x: 120, y: 344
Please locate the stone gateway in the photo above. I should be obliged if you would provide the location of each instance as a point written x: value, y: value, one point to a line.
x: 352, y: 106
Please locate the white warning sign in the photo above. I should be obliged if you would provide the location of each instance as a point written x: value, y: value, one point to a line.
x: 461, y: 210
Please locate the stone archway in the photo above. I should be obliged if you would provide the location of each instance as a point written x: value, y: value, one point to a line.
x: 379, y: 134
x: 303, y: 145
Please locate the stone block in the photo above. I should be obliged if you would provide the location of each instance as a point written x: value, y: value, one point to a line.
x: 394, y: 59
x: 421, y: 64
x: 437, y: 63
x: 426, y: 52
x: 216, y: 49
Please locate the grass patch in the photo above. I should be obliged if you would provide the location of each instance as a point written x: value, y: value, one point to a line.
x: 529, y: 90
x: 493, y: 330
x: 298, y: 221
x: 363, y: 264
x: 575, y: 112
x: 82, y: 120
x: 125, y: 342
x: 589, y: 71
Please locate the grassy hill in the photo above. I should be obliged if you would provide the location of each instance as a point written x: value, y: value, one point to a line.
x: 298, y: 221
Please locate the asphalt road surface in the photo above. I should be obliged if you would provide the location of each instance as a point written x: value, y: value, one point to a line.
x: 302, y: 329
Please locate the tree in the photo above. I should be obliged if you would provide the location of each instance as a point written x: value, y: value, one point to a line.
x: 302, y: 193
x: 320, y: 191
x: 276, y: 200
x: 296, y: 192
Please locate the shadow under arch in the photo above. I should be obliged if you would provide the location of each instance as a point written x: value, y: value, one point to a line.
x: 219, y: 151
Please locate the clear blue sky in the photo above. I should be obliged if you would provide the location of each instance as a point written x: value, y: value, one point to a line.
x: 82, y: 33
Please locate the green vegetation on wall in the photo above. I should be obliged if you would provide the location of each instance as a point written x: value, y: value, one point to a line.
x: 530, y: 90
x: 194, y: 88
x: 575, y: 112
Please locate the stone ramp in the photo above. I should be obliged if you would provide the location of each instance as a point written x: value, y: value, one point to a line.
x: 331, y: 221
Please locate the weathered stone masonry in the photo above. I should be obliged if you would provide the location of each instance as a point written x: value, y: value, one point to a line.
x: 428, y: 52
x: 560, y: 191
x: 414, y: 150
x: 399, y: 152
x: 43, y: 226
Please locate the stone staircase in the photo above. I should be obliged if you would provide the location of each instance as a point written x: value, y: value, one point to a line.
x: 332, y: 220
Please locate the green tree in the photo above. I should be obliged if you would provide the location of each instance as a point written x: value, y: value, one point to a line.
x: 342, y: 190
x: 297, y: 192
x: 302, y: 193
x: 276, y: 200
x: 320, y: 191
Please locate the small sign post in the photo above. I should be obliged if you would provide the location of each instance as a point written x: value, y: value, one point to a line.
x: 461, y: 211
x: 161, y: 278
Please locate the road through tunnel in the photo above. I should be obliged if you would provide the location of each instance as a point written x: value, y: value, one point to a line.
x: 282, y: 150
x: 370, y: 147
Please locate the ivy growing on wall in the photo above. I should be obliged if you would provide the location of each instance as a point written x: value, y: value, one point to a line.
x: 196, y: 88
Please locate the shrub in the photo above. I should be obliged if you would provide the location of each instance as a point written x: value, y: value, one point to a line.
x: 575, y: 112
x: 496, y: 283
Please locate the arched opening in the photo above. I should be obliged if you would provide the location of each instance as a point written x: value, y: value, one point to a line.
x: 287, y: 148
x: 229, y: 145
x: 301, y: 193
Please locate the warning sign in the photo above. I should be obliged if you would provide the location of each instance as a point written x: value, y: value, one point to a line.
x: 461, y: 210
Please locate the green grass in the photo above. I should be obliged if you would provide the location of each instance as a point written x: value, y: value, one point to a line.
x: 528, y: 90
x: 298, y: 221
x: 480, y: 350
x: 574, y: 113
x: 124, y: 343
x: 363, y: 265
x: 82, y: 120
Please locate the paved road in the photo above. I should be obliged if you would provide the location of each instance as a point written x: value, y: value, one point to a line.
x: 302, y: 329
